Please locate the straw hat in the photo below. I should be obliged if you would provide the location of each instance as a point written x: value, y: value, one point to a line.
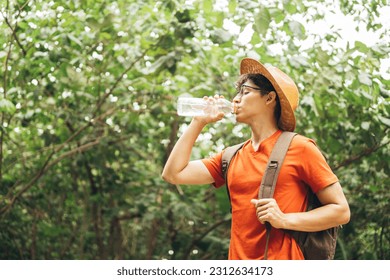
x: 284, y: 86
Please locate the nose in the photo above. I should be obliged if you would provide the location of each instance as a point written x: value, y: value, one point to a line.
x: 237, y: 98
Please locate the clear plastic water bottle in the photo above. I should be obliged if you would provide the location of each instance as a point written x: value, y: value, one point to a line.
x: 192, y: 107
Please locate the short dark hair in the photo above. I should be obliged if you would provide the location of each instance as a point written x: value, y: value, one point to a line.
x: 259, y: 80
x: 265, y: 87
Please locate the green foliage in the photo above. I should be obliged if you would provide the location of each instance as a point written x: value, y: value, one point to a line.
x: 88, y: 118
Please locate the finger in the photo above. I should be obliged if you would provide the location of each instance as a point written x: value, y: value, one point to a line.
x: 259, y: 202
x: 261, y: 209
x: 264, y: 212
x: 254, y: 201
x: 209, y: 98
x: 220, y: 116
x: 262, y: 218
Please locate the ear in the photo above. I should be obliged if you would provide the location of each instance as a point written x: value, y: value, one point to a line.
x: 271, y: 97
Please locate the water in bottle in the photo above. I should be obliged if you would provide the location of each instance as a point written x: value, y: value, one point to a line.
x: 191, y: 107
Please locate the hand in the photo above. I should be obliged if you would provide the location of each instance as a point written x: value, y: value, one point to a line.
x: 267, y: 210
x: 213, y: 115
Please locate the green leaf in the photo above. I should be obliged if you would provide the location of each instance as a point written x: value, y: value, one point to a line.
x: 277, y: 15
x: 365, y: 125
x: 360, y: 46
x: 183, y: 16
x: 221, y: 36
x: 297, y: 29
x: 75, y: 39
x: 93, y: 23
x: 290, y: 7
x: 7, y: 106
x: 207, y: 5
x: 365, y: 78
x: 262, y: 21
x: 385, y: 121
x: 322, y: 56
x: 232, y: 6
x: 105, y: 36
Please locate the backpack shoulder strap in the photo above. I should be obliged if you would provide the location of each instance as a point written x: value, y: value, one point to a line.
x: 268, y: 182
x: 227, y: 156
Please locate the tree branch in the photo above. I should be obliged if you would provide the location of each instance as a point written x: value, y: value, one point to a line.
x: 15, y: 36
x: 44, y: 168
x: 203, y: 235
x: 358, y: 157
x: 2, y: 132
x: 55, y: 150
x: 113, y: 87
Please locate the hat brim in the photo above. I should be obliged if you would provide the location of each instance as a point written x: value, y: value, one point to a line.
x: 287, y: 119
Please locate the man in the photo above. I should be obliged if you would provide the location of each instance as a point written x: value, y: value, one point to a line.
x: 265, y: 101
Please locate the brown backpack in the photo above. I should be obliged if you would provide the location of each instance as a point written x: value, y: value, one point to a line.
x: 319, y: 245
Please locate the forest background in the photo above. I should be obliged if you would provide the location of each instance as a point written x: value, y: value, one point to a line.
x: 88, y: 93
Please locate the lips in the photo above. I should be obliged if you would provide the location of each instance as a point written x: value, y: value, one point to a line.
x: 235, y: 108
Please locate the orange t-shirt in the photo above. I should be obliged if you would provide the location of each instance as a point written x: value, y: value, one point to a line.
x: 304, y: 165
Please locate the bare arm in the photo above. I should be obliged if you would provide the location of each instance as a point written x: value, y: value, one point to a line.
x: 178, y: 168
x: 335, y: 211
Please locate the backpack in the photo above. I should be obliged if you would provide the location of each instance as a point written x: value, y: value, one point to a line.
x: 319, y: 245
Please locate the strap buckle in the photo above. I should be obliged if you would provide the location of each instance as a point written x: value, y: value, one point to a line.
x: 273, y: 164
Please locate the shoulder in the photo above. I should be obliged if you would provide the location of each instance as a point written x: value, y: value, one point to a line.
x: 310, y: 163
x: 231, y: 150
x: 302, y: 140
x: 307, y: 151
x: 305, y: 148
x: 302, y: 143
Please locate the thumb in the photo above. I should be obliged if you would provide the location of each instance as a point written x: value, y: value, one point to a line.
x: 254, y: 201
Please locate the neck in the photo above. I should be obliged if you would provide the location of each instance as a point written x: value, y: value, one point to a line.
x: 260, y: 133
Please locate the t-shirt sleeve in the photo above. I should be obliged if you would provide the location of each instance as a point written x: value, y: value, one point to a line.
x: 214, y: 165
x: 315, y: 170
